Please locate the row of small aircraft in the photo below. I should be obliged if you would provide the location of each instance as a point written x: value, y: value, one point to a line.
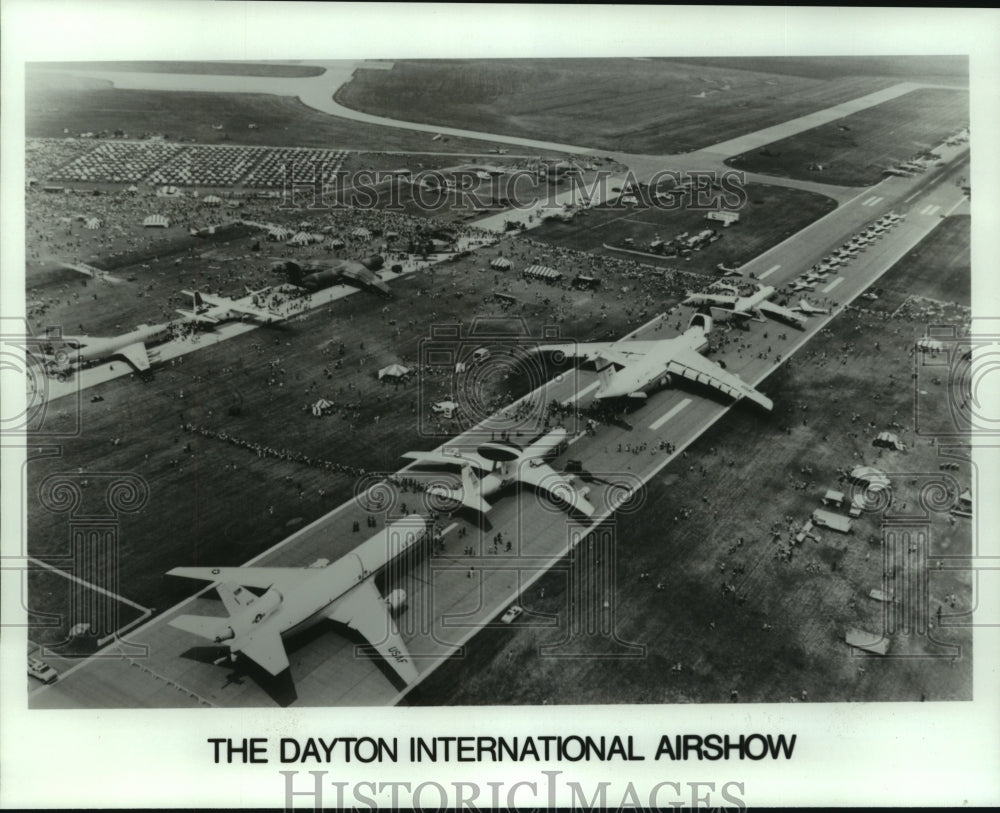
x: 843, y: 255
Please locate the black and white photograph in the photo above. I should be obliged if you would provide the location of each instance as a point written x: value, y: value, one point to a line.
x: 497, y: 388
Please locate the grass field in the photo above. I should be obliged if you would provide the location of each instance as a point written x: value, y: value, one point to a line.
x: 57, y: 101
x: 939, y: 267
x: 942, y: 69
x: 854, y: 150
x: 779, y: 637
x: 642, y: 106
x: 182, y: 66
x: 770, y: 215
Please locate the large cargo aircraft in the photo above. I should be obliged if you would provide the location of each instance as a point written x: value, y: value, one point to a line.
x: 631, y: 368
x: 316, y: 275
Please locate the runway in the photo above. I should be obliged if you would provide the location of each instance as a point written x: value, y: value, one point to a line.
x: 451, y: 595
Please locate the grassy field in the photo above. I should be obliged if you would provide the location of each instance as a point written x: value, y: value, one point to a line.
x: 57, y: 101
x: 643, y: 106
x: 779, y: 637
x: 770, y: 215
x: 939, y: 267
x: 182, y: 66
x: 855, y: 149
x: 943, y: 69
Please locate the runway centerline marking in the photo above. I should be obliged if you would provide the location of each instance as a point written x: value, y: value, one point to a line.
x: 833, y: 285
x: 769, y: 271
x: 666, y: 417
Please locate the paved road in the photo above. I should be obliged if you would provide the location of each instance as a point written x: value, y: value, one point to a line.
x: 448, y: 603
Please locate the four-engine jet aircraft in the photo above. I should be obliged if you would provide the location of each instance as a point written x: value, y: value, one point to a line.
x: 211, y: 310
x: 315, y: 275
x: 296, y: 598
x: 631, y: 368
x: 504, y: 463
x: 723, y: 306
x: 130, y: 346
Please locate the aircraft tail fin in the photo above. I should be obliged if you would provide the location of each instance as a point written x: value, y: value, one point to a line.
x: 294, y: 272
x: 472, y: 492
x: 700, y: 322
x: 605, y: 371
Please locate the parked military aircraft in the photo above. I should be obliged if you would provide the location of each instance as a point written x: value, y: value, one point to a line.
x: 724, y: 306
x: 131, y: 346
x: 504, y: 463
x: 632, y: 368
x: 315, y: 275
x: 296, y: 598
x: 211, y: 309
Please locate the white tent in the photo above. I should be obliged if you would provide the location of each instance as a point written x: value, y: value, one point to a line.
x: 212, y: 200
x: 501, y: 263
x: 301, y: 239
x: 542, y: 272
x: 361, y: 232
x: 157, y: 221
x: 168, y: 192
x: 321, y: 406
x: 396, y: 371
x: 889, y: 440
x: 92, y: 223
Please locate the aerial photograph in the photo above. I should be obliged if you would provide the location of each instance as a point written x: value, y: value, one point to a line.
x: 498, y: 381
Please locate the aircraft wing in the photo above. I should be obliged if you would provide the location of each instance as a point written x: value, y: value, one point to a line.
x: 547, y: 479
x: 284, y: 578
x: 710, y: 299
x: 198, y: 317
x: 363, y: 609
x: 265, y: 648
x: 808, y: 307
x: 136, y: 354
x: 627, y: 349
x: 693, y: 366
x: 438, y: 458
x: 782, y: 313
x: 468, y: 497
